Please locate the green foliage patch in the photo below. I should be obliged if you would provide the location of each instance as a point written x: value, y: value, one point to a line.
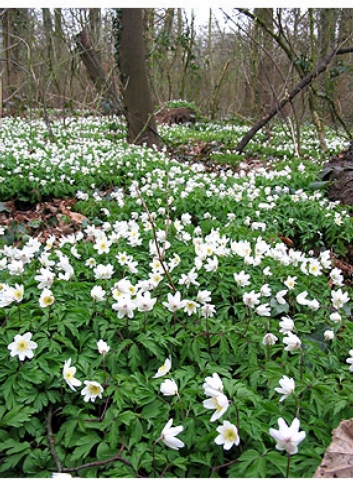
x: 184, y: 289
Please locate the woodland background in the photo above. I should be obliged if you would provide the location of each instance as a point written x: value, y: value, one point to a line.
x: 67, y: 59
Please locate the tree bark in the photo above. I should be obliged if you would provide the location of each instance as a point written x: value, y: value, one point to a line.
x: 133, y: 76
x: 97, y: 74
x: 321, y: 67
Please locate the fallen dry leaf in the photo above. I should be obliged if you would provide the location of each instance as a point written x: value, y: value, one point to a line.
x: 338, y: 459
x: 76, y: 217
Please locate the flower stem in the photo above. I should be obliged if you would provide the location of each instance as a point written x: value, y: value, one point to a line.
x: 104, y: 370
x: 297, y: 405
x: 127, y: 326
x: 301, y: 363
x: 49, y: 312
x: 154, y: 460
x: 288, y: 465
x: 248, y: 321
x: 208, y: 335
x: 174, y: 318
x: 181, y: 407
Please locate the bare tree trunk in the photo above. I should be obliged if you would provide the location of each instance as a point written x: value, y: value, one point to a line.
x: 2, y: 55
x: 313, y: 104
x: 133, y: 76
x: 95, y: 25
x: 97, y: 74
x: 265, y: 69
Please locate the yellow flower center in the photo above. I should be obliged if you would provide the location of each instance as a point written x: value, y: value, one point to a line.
x: 218, y: 406
x: 48, y: 300
x: 70, y: 374
x: 94, y: 390
x: 22, y: 346
x: 230, y: 435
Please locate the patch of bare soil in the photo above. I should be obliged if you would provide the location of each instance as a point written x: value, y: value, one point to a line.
x: 339, y: 171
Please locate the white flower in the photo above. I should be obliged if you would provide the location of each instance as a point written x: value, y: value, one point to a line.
x: 287, y: 325
x: 165, y: 368
x: 251, y: 299
x: 16, y: 267
x: 269, y: 339
x: 69, y: 375
x: 339, y: 298
x: 313, y: 305
x: 91, y: 391
x: 292, y: 341
x: 212, y: 264
x: 280, y: 295
x: 288, y: 438
x: 174, y: 303
x: 125, y: 306
x: 287, y: 387
x: 267, y: 271
x: 263, y: 310
x: 218, y: 403
x: 203, y: 296
x: 350, y: 360
x: 46, y: 298
x: 242, y: 278
x: 6, y: 297
x: 228, y: 435
x: 301, y: 298
x: 337, y: 277
x: 169, y: 433
x: 213, y: 386
x: 91, y: 263
x: 22, y: 346
x: 329, y: 334
x: 290, y: 282
x: 335, y: 317
x: 98, y: 294
x: 265, y: 290
x: 103, y: 347
x: 17, y: 293
x: 169, y: 387
x: 189, y: 279
x: 190, y: 307
x: 144, y: 302
x: 315, y: 268
x: 102, y: 245
x: 46, y: 278
x: 103, y: 272
x: 208, y: 310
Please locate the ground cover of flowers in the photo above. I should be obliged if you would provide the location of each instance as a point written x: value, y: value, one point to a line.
x: 197, y: 325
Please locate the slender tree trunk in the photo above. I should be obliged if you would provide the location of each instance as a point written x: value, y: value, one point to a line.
x: 2, y: 63
x: 95, y: 25
x: 133, y: 76
x: 90, y: 58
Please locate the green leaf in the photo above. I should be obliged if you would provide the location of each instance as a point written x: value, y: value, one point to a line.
x: 318, y: 185
x: 17, y: 416
x: 134, y: 357
x: 104, y: 451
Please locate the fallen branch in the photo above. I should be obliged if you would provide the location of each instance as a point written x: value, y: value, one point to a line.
x: 321, y: 67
